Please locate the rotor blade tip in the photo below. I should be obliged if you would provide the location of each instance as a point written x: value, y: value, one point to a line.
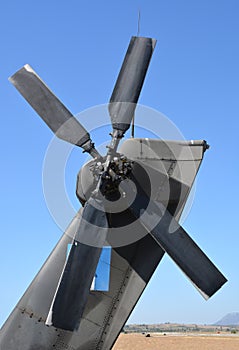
x: 28, y: 68
x: 154, y: 42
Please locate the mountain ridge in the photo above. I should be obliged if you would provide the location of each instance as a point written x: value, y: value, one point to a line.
x: 230, y: 319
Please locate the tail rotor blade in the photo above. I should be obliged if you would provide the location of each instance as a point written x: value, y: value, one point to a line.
x: 74, y: 287
x: 130, y: 81
x: 187, y: 255
x: 175, y: 241
x: 49, y: 107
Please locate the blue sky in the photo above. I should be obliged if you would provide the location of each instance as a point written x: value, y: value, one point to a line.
x: 77, y: 47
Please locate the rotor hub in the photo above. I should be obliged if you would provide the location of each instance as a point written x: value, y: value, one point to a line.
x: 93, y: 173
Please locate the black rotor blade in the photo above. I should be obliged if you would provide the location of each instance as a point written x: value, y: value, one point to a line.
x: 130, y: 81
x: 49, y: 107
x: 75, y: 283
x: 175, y: 241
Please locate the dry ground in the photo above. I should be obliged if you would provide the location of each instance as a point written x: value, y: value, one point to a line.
x: 180, y: 342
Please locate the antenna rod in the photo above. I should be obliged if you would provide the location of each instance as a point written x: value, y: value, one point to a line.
x: 132, y: 128
x: 138, y: 23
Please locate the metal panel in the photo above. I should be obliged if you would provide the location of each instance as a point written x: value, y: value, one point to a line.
x: 172, y: 167
x: 25, y: 328
x: 129, y: 276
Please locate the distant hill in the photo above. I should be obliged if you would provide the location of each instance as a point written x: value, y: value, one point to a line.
x: 231, y: 319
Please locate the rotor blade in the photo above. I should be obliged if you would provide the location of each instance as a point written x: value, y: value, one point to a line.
x: 130, y: 81
x: 74, y: 287
x: 179, y: 245
x: 49, y: 107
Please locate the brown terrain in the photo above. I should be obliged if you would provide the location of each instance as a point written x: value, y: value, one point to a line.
x: 137, y: 341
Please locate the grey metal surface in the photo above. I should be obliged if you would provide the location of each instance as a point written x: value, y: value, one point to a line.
x: 74, y: 286
x: 171, y: 165
x: 130, y: 81
x: 158, y: 217
x: 181, y: 248
x: 49, y: 107
x: 25, y: 328
x: 105, y: 312
x: 139, y: 259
